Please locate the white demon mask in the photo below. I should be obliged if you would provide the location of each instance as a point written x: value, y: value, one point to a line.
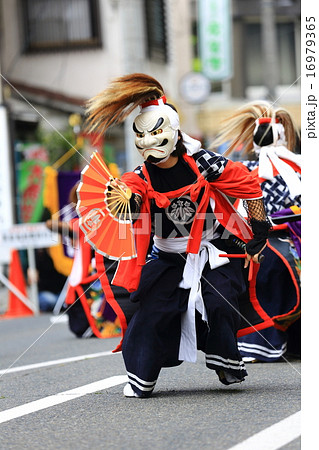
x: 156, y: 129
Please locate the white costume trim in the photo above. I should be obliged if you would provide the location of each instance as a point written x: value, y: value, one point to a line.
x: 274, y: 154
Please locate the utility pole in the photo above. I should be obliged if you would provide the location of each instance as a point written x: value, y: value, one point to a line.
x: 269, y: 48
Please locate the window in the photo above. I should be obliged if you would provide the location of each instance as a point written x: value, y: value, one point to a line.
x: 286, y: 54
x: 156, y: 30
x: 60, y: 24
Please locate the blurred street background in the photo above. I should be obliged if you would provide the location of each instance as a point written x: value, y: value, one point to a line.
x: 211, y: 56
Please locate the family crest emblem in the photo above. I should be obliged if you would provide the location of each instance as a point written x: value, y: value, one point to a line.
x: 181, y: 210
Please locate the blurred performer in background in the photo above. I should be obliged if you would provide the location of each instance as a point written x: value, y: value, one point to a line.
x: 189, y: 296
x: 268, y: 136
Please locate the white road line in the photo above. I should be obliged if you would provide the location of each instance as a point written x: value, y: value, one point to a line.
x: 56, y: 361
x: 62, y: 397
x: 275, y: 436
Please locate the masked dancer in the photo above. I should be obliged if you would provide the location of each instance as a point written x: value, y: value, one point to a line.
x: 267, y: 136
x: 189, y: 296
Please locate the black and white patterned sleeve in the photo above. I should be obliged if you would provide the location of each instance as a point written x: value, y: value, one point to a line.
x: 211, y: 165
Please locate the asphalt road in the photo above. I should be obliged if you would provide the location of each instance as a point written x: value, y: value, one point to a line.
x: 190, y: 408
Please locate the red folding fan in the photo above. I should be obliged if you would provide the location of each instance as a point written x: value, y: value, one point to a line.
x: 104, y: 211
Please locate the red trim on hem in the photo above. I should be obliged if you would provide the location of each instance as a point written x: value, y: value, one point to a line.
x: 267, y: 321
x: 293, y: 280
x: 260, y: 326
x: 253, y: 296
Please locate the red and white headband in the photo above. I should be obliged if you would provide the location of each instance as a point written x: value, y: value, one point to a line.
x: 160, y: 107
x: 277, y: 127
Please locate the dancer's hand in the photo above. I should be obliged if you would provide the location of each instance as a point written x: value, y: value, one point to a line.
x: 116, y: 183
x: 257, y: 258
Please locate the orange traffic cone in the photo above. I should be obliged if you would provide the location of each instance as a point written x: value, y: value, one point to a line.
x: 16, y: 306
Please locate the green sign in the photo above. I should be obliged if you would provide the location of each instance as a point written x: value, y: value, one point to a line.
x: 215, y: 46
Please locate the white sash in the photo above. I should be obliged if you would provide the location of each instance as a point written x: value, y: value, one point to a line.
x: 193, y: 269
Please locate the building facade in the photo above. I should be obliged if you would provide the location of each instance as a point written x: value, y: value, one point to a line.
x: 57, y: 54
